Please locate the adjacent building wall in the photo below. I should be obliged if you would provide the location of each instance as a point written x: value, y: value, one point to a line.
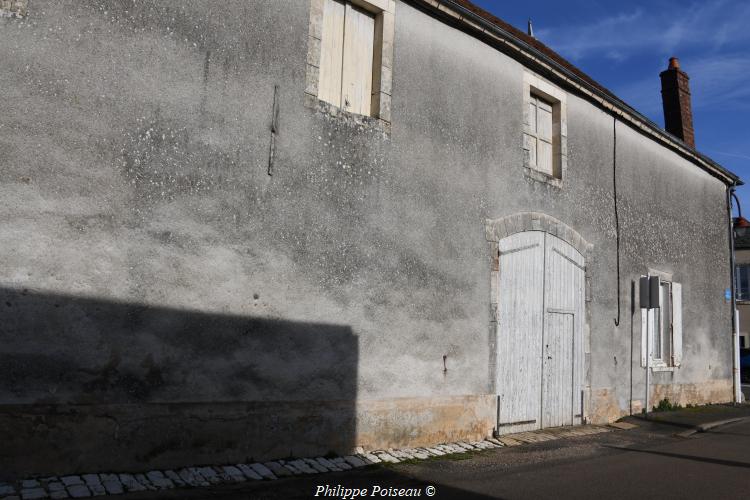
x: 742, y: 256
x: 165, y: 298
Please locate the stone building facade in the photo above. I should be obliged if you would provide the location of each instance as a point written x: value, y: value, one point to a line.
x: 203, y: 260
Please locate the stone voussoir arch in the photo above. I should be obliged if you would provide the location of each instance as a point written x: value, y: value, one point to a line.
x: 497, y: 229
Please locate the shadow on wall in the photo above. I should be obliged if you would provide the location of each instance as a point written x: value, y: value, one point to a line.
x: 92, y: 385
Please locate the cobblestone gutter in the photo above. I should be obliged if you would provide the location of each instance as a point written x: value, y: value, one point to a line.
x: 92, y: 485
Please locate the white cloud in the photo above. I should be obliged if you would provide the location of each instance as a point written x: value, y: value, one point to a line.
x: 644, y: 95
x: 718, y: 82
x: 721, y: 82
x: 704, y: 25
x: 710, y: 37
x: 733, y: 155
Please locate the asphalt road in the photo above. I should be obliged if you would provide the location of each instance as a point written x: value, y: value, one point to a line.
x: 647, y: 462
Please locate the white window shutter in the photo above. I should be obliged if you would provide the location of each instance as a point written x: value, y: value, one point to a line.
x: 359, y: 38
x: 544, y: 157
x: 644, y: 328
x: 331, y: 52
x: 676, y: 324
x: 544, y: 121
x: 541, y: 124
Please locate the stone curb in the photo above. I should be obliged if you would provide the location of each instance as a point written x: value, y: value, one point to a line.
x: 110, y: 484
x: 711, y: 425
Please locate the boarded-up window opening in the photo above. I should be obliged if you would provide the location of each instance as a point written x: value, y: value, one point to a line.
x: 346, y: 59
x: 541, y: 146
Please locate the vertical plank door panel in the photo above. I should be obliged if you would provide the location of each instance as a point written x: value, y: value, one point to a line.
x: 520, y: 317
x: 562, y: 378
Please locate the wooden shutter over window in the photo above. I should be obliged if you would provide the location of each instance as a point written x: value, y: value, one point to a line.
x: 347, y: 57
x: 332, y: 52
x: 531, y: 139
x: 544, y: 136
x: 359, y: 36
x: 676, y: 324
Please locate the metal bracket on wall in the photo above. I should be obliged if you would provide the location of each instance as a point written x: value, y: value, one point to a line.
x: 496, y: 431
x: 274, y: 129
x: 583, y: 407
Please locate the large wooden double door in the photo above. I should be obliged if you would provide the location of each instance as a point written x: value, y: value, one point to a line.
x: 540, y: 332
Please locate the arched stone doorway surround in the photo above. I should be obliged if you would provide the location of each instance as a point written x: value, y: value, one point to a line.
x: 500, y: 232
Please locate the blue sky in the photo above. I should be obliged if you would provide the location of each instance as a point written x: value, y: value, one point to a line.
x: 624, y: 46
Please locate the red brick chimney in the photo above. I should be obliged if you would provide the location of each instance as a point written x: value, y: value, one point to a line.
x: 675, y: 95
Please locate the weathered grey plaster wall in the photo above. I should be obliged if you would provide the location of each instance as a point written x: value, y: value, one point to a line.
x: 149, y: 259
x: 673, y: 220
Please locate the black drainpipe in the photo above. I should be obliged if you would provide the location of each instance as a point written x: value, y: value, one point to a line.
x: 733, y: 285
x: 617, y: 215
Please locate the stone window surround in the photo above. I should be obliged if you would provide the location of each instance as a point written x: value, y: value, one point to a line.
x: 384, y: 11
x: 535, y: 85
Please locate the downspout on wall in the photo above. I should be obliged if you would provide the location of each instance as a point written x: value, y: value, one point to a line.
x: 737, y: 388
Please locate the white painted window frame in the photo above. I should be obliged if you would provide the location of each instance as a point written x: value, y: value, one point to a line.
x: 384, y: 12
x: 536, y: 87
x: 675, y: 333
x: 664, y: 333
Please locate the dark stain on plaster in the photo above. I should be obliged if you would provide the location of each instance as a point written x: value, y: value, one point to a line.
x: 84, y: 223
x: 206, y: 67
x: 165, y: 447
x: 206, y: 70
x: 136, y: 383
x: 164, y: 160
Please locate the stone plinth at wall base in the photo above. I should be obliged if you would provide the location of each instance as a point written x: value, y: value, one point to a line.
x: 605, y: 402
x: 414, y: 422
x: 711, y: 391
x: 47, y: 440
x: 605, y: 406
